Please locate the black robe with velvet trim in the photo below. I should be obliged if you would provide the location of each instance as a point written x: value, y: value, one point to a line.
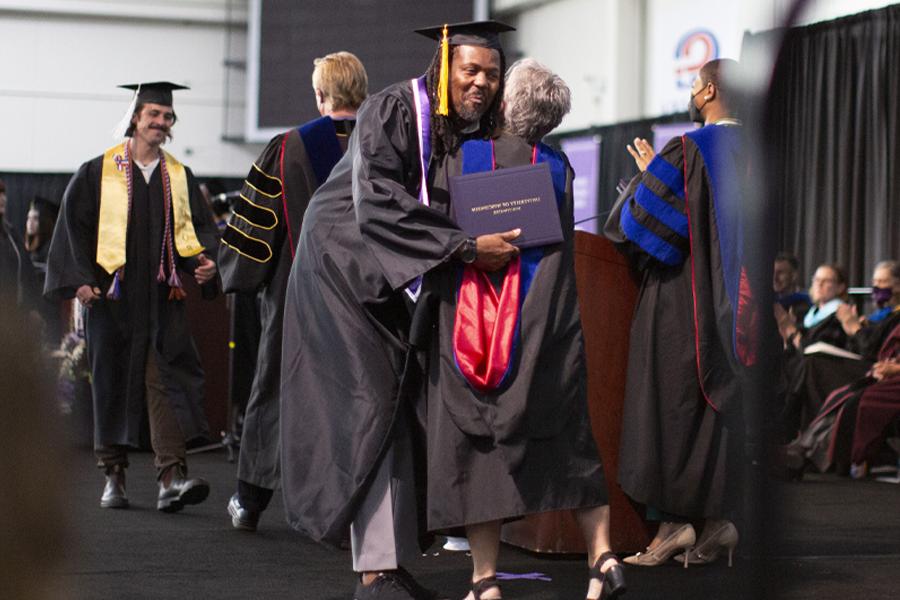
x: 527, y: 447
x: 346, y: 352
x: 690, y: 337
x: 121, y: 332
x: 256, y: 256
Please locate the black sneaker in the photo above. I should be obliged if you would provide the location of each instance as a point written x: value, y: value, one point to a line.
x: 242, y: 518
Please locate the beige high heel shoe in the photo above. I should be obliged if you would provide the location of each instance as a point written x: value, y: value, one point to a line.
x: 681, y: 540
x: 725, y: 537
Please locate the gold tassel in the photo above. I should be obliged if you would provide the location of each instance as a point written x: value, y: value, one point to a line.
x: 444, y: 78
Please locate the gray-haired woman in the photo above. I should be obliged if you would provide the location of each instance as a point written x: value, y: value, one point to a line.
x: 526, y: 446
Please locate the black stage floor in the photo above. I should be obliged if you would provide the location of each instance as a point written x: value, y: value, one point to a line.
x: 841, y: 539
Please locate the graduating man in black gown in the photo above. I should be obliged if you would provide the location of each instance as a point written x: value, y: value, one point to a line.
x: 132, y: 223
x: 350, y: 376
x: 695, y: 330
x: 257, y: 250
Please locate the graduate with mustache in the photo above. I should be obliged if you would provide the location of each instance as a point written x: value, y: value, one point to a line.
x: 132, y: 224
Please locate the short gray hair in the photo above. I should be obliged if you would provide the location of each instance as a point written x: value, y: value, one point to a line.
x: 536, y: 99
x: 891, y: 265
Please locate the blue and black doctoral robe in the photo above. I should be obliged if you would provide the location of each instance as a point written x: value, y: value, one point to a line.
x: 695, y: 329
x: 524, y: 446
x: 257, y: 250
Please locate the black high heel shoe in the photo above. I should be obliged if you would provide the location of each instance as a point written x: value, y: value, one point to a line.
x: 612, y: 580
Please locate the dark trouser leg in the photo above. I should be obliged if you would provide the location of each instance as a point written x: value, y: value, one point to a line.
x: 166, y: 437
x: 110, y: 456
x: 252, y: 497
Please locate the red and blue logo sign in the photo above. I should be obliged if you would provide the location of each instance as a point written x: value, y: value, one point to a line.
x: 695, y: 48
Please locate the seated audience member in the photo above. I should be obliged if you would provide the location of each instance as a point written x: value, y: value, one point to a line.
x: 879, y: 408
x: 796, y: 302
x: 819, y: 374
x: 786, y: 284
x: 820, y: 324
x: 828, y: 439
x: 866, y: 333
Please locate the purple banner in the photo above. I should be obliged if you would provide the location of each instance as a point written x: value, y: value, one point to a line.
x: 662, y: 133
x: 584, y: 156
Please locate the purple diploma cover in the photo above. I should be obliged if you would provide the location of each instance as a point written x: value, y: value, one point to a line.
x: 505, y: 199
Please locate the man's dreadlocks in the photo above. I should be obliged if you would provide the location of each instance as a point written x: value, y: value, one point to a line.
x: 445, y: 138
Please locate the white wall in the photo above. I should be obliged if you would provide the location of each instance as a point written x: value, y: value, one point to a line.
x: 619, y: 56
x: 61, y: 61
x: 594, y: 45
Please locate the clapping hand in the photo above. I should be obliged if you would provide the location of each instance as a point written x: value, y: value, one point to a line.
x: 849, y: 318
x: 642, y: 152
x: 787, y: 323
x: 884, y: 369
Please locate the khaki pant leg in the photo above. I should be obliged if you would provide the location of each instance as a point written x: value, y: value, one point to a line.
x: 384, y: 534
x: 166, y: 436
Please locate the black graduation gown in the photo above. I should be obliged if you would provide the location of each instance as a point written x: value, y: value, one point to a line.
x: 48, y: 309
x: 120, y: 332
x: 256, y: 255
x: 528, y: 447
x: 675, y: 444
x: 17, y: 278
x: 346, y: 331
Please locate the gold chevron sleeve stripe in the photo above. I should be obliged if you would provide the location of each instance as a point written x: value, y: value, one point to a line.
x: 246, y: 245
x: 264, y: 183
x: 256, y: 215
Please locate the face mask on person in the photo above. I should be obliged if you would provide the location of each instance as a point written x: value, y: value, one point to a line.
x: 882, y: 296
x: 693, y: 111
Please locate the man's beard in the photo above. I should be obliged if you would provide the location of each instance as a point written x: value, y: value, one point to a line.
x: 471, y: 114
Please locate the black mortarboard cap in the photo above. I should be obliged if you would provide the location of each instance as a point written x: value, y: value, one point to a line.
x: 472, y: 33
x: 157, y: 92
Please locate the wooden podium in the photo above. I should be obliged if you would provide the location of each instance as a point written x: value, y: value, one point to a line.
x: 209, y: 327
x: 606, y: 295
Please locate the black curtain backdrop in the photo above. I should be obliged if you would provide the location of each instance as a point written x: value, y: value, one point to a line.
x: 834, y: 107
x: 21, y: 188
x: 615, y: 162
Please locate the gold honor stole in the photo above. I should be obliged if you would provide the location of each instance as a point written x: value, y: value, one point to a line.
x: 114, y: 204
